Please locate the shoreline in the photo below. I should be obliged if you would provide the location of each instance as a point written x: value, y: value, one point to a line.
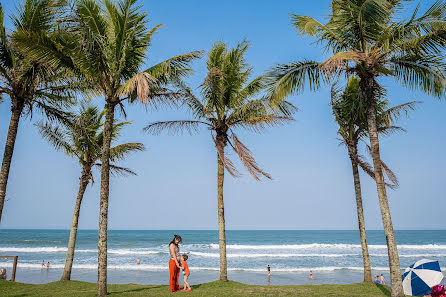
x: 213, y: 288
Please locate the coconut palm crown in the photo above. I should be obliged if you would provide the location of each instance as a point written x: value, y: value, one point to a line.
x: 30, y: 84
x: 82, y: 139
x: 349, y: 109
x: 106, y: 44
x: 229, y: 101
x: 368, y: 39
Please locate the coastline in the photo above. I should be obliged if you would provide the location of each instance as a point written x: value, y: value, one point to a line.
x: 215, y: 288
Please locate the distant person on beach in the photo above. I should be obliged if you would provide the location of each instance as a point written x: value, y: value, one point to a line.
x: 3, y: 273
x: 138, y: 261
x: 382, y: 280
x: 48, y: 265
x: 311, y: 275
x: 186, y: 272
x: 174, y: 265
x: 376, y: 280
x: 268, y: 269
x: 43, y: 263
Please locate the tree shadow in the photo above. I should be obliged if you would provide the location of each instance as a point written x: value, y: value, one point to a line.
x: 384, y: 289
x: 134, y: 290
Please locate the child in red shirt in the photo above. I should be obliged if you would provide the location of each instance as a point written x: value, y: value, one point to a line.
x: 186, y: 272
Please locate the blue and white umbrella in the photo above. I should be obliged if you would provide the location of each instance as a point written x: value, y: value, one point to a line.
x: 420, y: 277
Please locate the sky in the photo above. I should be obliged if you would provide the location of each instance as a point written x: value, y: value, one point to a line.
x: 176, y: 185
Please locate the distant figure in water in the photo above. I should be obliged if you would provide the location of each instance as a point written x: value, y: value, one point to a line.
x: 382, y: 280
x: 138, y: 261
x: 311, y: 275
x: 3, y: 273
x: 43, y: 263
x: 48, y: 265
x: 268, y: 269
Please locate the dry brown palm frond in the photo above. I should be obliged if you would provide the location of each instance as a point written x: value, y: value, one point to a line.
x: 226, y: 161
x: 141, y: 83
x: 332, y: 64
x: 247, y: 159
x: 389, y: 173
x: 367, y: 168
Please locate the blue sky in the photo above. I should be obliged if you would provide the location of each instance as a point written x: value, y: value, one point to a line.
x: 176, y: 184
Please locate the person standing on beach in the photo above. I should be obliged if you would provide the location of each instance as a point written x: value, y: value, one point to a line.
x: 138, y: 261
x: 382, y: 280
x: 43, y: 263
x: 268, y: 269
x: 311, y: 275
x: 186, y: 272
x: 174, y: 265
x: 48, y: 265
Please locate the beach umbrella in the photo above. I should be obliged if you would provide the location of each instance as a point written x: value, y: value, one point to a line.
x: 419, y: 278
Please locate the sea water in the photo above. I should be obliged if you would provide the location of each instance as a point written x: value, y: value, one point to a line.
x: 333, y: 256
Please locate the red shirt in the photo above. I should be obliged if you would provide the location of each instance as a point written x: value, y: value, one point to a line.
x: 186, y: 268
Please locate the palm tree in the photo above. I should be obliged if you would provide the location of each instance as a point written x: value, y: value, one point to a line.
x: 82, y: 139
x: 368, y: 39
x: 106, y: 45
x: 227, y: 103
x: 28, y: 83
x: 349, y: 110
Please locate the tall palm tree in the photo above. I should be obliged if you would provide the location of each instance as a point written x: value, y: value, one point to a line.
x: 29, y: 84
x: 228, y: 103
x: 82, y: 139
x: 106, y: 45
x: 367, y: 38
x: 349, y: 110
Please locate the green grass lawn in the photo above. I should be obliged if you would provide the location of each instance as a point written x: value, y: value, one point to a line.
x: 217, y: 288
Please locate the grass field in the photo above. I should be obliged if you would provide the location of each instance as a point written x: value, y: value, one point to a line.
x: 217, y: 288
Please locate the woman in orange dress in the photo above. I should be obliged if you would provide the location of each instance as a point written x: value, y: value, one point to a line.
x: 174, y: 265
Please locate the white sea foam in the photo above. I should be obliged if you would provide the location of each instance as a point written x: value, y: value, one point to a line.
x: 229, y: 255
x: 338, y: 246
x: 64, y: 249
x: 33, y: 249
x: 165, y: 267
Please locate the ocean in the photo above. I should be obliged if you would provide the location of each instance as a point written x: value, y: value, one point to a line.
x: 333, y: 256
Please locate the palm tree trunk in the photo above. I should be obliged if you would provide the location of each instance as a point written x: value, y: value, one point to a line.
x: 66, y: 275
x: 392, y: 250
x: 361, y: 222
x: 221, y: 218
x: 16, y: 112
x: 103, y: 208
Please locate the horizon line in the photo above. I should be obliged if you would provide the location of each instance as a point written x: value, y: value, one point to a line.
x: 59, y: 229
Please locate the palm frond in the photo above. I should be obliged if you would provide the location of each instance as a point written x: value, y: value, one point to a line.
x: 285, y: 80
x: 117, y: 170
x: 227, y: 163
x: 120, y: 151
x: 247, y: 159
x: 392, y: 114
x: 174, y: 68
x: 56, y: 136
x: 426, y: 73
x: 174, y: 127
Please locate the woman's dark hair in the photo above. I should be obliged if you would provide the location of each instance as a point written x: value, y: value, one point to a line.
x: 177, y: 237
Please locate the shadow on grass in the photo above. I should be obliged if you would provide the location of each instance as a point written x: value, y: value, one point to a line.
x: 133, y: 290
x: 384, y: 289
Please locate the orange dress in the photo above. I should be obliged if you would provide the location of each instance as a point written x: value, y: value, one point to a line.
x: 174, y: 274
x: 186, y: 268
